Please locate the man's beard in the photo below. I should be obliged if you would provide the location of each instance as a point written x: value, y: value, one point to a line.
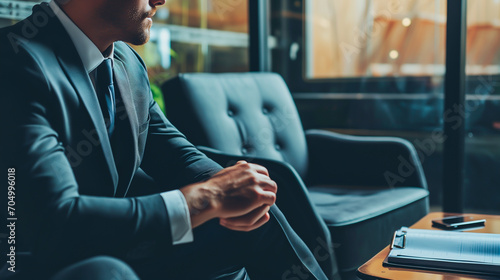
x: 140, y: 37
x: 132, y: 26
x: 141, y: 30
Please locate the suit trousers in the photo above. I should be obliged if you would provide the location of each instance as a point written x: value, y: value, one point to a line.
x: 273, y: 251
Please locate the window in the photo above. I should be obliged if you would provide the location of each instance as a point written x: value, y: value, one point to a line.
x: 376, y: 67
x: 197, y: 36
x: 374, y: 38
x: 482, y: 106
x: 14, y: 10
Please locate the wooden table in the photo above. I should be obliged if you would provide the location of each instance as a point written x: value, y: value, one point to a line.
x: 374, y: 268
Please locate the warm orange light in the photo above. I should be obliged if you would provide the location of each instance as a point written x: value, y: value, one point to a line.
x: 394, y: 54
x: 406, y: 22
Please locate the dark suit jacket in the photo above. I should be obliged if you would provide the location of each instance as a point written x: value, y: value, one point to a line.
x: 67, y: 179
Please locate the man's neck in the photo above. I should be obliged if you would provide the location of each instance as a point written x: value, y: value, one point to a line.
x: 85, y: 18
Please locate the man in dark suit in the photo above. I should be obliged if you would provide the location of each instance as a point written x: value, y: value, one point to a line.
x: 80, y: 125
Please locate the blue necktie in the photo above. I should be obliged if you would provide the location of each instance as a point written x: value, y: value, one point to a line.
x: 106, y: 93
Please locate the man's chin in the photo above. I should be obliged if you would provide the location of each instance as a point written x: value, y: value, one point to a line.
x: 140, y: 39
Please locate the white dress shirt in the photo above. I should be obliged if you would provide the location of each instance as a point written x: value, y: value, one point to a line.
x: 177, y: 209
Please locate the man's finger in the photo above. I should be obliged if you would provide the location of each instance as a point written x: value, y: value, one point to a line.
x: 264, y: 219
x: 269, y: 185
x: 266, y: 197
x: 264, y: 182
x: 260, y: 169
x: 248, y: 219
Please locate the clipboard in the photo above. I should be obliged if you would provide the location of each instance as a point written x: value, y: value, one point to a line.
x: 400, y: 242
x: 399, y: 239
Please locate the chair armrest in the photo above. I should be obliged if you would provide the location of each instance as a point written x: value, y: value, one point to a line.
x: 293, y: 200
x: 362, y: 161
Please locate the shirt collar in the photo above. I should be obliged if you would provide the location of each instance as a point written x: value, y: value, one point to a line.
x: 87, y: 50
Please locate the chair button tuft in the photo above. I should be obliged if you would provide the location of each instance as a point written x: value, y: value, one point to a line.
x: 277, y: 147
x: 265, y: 111
x: 230, y: 113
x: 244, y: 150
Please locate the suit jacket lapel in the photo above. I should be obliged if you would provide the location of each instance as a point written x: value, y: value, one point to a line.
x: 126, y: 113
x: 73, y: 67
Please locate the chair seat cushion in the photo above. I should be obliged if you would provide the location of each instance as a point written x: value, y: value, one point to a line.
x: 340, y: 206
x: 363, y: 220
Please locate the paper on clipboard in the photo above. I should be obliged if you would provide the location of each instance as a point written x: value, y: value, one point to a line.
x: 462, y: 251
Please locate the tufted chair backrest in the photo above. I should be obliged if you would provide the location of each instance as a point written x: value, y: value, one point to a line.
x: 247, y: 114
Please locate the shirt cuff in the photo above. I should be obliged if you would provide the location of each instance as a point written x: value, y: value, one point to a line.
x: 178, y: 213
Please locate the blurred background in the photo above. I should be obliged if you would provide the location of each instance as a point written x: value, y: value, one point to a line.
x: 363, y: 67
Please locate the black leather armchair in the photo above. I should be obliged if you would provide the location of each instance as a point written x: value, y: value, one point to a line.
x: 363, y: 188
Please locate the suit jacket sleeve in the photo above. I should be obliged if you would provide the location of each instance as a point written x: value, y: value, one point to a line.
x: 170, y: 158
x: 55, y: 221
